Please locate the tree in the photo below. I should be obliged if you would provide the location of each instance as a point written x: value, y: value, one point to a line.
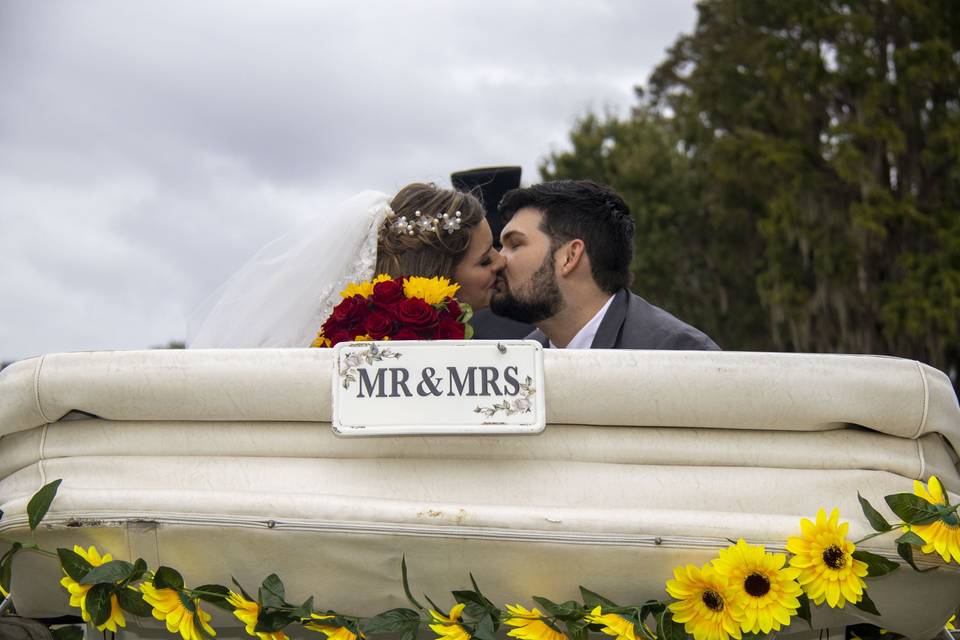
x: 820, y: 143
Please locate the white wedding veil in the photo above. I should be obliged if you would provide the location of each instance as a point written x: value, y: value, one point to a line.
x: 282, y: 295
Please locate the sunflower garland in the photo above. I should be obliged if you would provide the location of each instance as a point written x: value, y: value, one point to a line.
x: 743, y: 592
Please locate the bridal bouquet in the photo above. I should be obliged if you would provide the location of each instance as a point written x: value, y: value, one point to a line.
x: 406, y: 308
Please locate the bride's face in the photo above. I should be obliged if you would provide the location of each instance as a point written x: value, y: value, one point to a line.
x: 477, y: 271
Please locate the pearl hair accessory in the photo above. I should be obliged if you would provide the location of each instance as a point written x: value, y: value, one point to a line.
x: 426, y: 223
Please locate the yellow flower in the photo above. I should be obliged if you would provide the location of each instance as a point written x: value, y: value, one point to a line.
x: 78, y: 592
x: 364, y: 289
x: 320, y: 341
x: 705, y: 606
x: 4, y: 592
x: 334, y: 633
x: 530, y: 625
x: 939, y: 536
x: 765, y: 590
x: 246, y: 611
x: 828, y: 571
x: 949, y: 626
x: 363, y: 338
x: 432, y: 290
x: 448, y: 626
x: 170, y: 607
x: 614, y: 625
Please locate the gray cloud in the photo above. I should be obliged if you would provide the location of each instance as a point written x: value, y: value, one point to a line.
x: 147, y: 149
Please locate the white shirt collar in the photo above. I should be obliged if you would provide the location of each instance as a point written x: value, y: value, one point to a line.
x: 584, y: 337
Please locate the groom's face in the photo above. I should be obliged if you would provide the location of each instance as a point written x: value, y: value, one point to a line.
x: 528, y: 289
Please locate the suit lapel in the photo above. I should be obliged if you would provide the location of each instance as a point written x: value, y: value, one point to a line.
x: 612, y: 322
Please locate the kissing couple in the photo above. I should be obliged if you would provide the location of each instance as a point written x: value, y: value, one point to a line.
x: 564, y: 266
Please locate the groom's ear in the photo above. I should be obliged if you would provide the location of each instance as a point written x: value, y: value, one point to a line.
x: 571, y: 255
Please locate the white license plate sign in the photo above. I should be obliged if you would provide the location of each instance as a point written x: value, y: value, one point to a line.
x: 440, y: 387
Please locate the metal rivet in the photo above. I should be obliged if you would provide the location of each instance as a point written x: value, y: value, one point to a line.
x: 658, y: 540
x: 271, y: 524
x: 501, y: 348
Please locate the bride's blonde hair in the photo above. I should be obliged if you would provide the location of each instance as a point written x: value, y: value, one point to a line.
x: 432, y: 251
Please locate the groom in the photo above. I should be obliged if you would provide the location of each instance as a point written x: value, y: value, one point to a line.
x: 568, y: 247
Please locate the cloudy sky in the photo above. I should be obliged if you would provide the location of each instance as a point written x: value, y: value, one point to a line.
x: 148, y: 148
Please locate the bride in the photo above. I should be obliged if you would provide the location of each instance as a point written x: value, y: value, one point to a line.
x: 284, y: 293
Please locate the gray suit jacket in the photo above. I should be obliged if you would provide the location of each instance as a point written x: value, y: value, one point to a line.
x: 633, y: 323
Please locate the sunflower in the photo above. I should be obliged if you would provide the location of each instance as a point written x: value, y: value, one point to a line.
x: 613, y: 624
x: 246, y: 611
x: 78, y: 592
x: 431, y: 290
x: 940, y: 537
x: 180, y: 613
x: 530, y: 625
x: 706, y: 607
x: 765, y: 590
x: 449, y: 627
x: 332, y: 632
x: 828, y: 571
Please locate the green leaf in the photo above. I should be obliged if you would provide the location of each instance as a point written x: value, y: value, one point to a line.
x: 272, y: 593
x: 139, y: 570
x: 592, y: 599
x: 98, y: 602
x: 911, y: 538
x: 73, y: 564
x: 303, y: 611
x: 468, y: 331
x: 874, y: 517
x: 220, y: 599
x: 270, y: 621
x: 803, y: 611
x: 485, y: 629
x: 876, y: 565
x: 108, y: 573
x: 243, y: 591
x: 948, y: 515
x: 40, y: 502
x: 866, y: 604
x: 406, y: 584
x: 667, y: 629
x: 577, y: 628
x: 906, y: 552
x: 392, y: 621
x: 6, y: 566
x: 67, y: 632
x: 132, y: 601
x: 569, y: 610
x: 168, y: 578
x: 912, y: 509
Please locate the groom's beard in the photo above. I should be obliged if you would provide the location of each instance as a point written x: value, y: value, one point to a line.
x: 536, y: 301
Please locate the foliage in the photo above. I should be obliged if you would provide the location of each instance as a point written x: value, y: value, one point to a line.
x: 794, y: 169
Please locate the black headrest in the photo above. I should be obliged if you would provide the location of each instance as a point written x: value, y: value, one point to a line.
x: 489, y: 184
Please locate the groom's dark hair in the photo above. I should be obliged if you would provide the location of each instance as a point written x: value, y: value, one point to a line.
x: 587, y: 210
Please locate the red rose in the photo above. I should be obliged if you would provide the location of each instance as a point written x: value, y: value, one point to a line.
x: 340, y: 336
x: 388, y: 292
x: 453, y: 309
x: 450, y: 330
x: 406, y: 333
x: 350, y: 311
x: 378, y: 324
x: 414, y: 312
